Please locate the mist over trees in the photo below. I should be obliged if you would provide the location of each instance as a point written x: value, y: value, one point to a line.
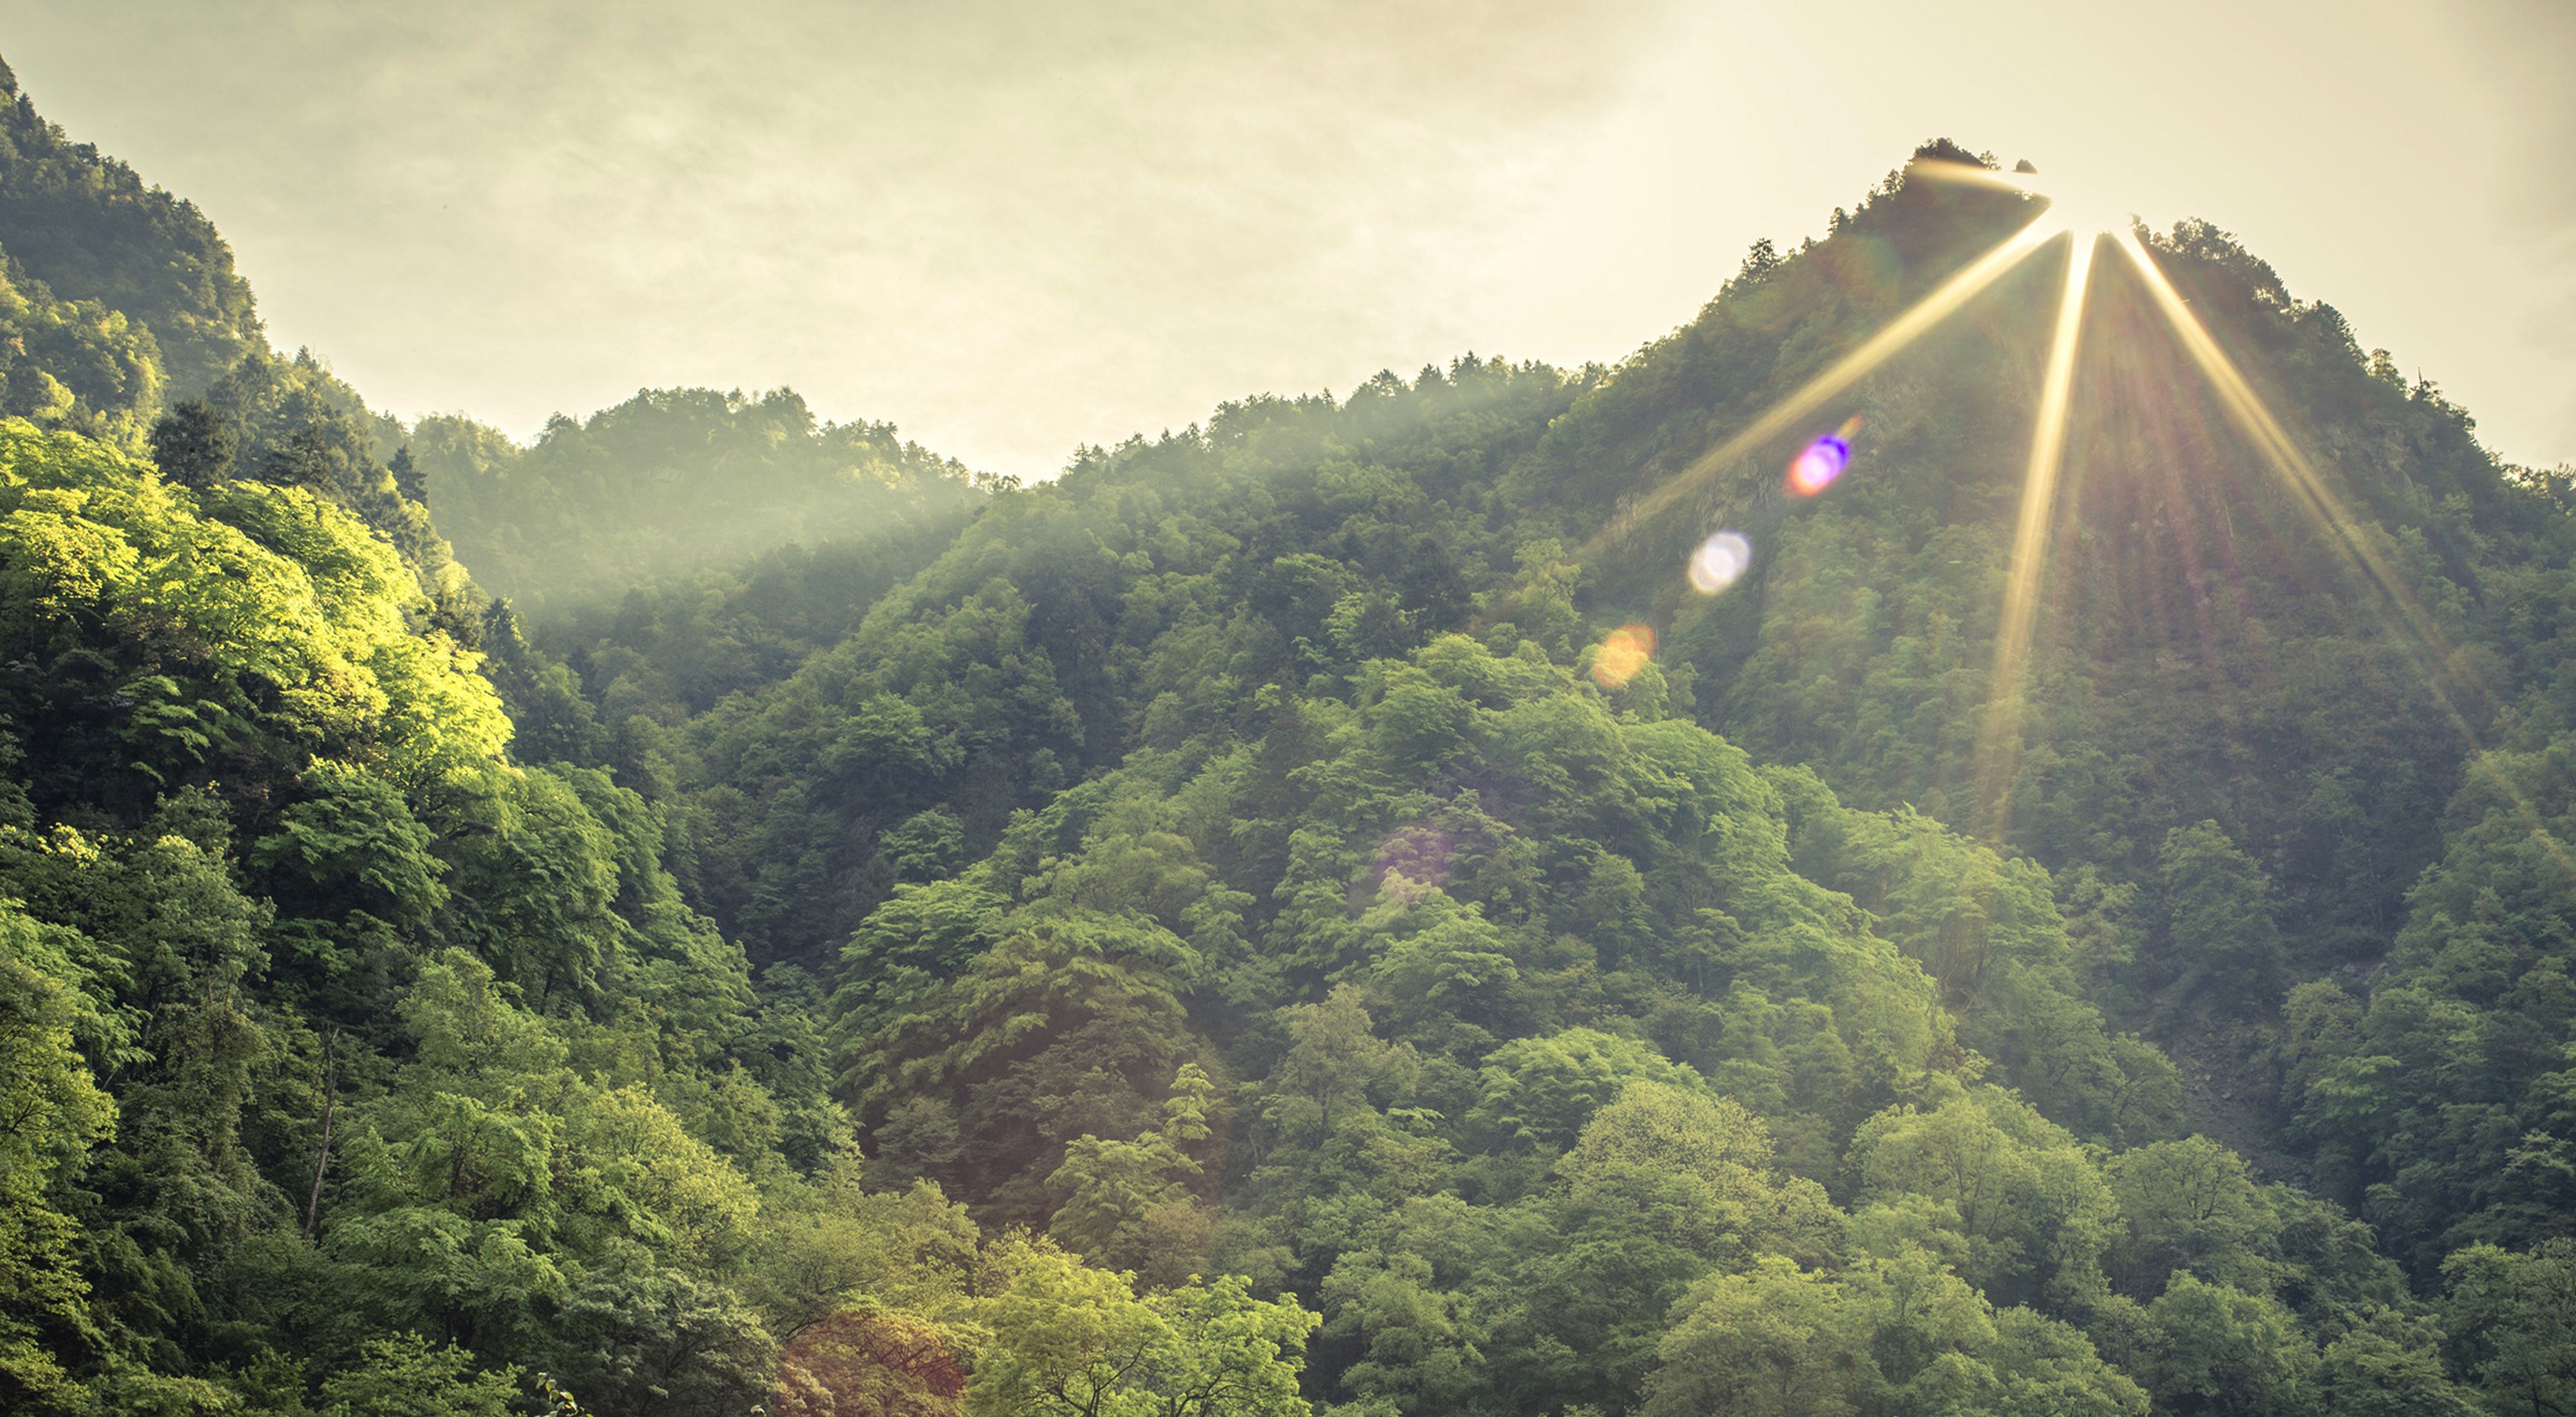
x: 709, y: 910
x: 675, y: 483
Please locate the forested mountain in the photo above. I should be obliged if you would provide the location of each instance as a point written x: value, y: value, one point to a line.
x: 676, y: 484
x: 1312, y: 913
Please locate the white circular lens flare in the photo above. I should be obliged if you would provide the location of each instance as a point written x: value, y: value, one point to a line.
x: 1720, y: 561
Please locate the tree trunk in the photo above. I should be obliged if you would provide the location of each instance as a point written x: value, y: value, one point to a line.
x: 322, y: 1155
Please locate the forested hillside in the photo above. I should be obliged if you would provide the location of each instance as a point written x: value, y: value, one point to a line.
x: 1315, y: 913
x: 678, y: 485
x: 85, y: 225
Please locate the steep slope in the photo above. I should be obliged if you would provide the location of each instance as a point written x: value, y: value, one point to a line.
x: 349, y: 1065
x: 2203, y: 652
x: 346, y: 1061
x: 2206, y: 653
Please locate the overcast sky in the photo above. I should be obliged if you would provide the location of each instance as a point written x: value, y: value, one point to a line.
x: 1016, y: 226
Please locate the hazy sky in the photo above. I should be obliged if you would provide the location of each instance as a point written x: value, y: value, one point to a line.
x: 1015, y: 227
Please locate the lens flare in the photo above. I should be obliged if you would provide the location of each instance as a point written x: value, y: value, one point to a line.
x: 1628, y: 649
x: 1720, y: 562
x: 1725, y: 555
x: 1969, y: 174
x: 1820, y: 462
x: 2344, y: 531
x: 1919, y: 318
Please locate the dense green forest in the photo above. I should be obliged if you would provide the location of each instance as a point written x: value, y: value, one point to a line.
x: 708, y: 911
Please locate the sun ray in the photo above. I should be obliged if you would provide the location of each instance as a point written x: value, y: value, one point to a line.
x: 1938, y: 305
x: 2247, y: 410
x: 2001, y: 745
x: 2439, y: 663
x: 2437, y: 660
x: 1969, y: 174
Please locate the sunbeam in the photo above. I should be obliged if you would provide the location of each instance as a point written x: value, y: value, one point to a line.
x: 1968, y: 174
x: 1932, y: 309
x: 2085, y: 222
x: 1999, y: 748
x: 2247, y: 410
x: 2074, y: 205
x: 2435, y: 658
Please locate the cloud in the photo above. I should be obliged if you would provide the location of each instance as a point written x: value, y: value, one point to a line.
x: 2524, y: 49
x: 1012, y: 224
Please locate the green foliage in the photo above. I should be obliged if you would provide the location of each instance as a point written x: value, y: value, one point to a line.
x: 1067, y: 1341
x: 55, y: 1113
x: 74, y: 364
x: 1542, y: 1091
x: 194, y: 446
x: 2008, y: 960
x: 2220, y: 1350
x: 403, y: 1376
x: 2188, y: 1206
x: 1771, y: 1342
x: 1067, y: 1027
x: 1136, y: 594
x: 2221, y: 918
x: 1127, y: 1203
x: 2512, y: 1319
x: 167, y: 638
x: 1893, y: 1335
x: 295, y: 424
x: 2445, y: 1099
x: 2032, y: 1206
x: 327, y: 1025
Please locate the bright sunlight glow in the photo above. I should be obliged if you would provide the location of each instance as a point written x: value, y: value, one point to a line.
x: 2084, y: 214
x: 2075, y: 202
x: 2082, y: 208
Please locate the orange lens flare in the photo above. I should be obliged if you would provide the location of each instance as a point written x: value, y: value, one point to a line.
x: 1628, y: 649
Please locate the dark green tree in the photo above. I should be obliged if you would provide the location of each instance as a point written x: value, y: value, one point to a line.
x: 194, y: 445
x: 2218, y: 909
x: 409, y: 481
